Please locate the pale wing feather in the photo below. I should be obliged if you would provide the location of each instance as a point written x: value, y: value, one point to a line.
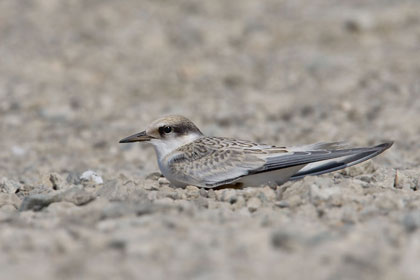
x: 213, y: 161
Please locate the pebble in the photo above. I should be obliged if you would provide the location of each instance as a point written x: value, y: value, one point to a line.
x: 153, y: 176
x: 114, y: 210
x: 330, y: 195
x: 61, y: 207
x: 294, y: 201
x: 387, y: 201
x: 91, y: 177
x: 185, y: 205
x: 253, y: 204
x: 8, y: 208
x: 57, y: 181
x: 204, y: 193
x: 282, y: 204
x: 201, y: 202
x: 9, y: 199
x: 166, y: 201
x: 239, y: 203
x: 192, y: 192
x: 75, y: 195
x: 407, y: 179
x: 8, y: 186
x: 152, y: 195
x: 73, y: 178
x: 211, y: 194
x: 228, y: 195
x: 267, y: 194
x: 284, y: 240
x: 358, y: 22
x: 411, y: 221
x: 18, y: 151
x: 168, y: 192
x: 163, y: 181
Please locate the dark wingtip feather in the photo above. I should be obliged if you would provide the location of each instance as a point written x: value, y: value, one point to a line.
x: 385, y: 146
x: 350, y: 161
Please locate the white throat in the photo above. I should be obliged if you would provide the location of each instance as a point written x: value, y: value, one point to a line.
x: 163, y: 147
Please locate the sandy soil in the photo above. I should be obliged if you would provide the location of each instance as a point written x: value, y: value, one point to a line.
x: 77, y: 76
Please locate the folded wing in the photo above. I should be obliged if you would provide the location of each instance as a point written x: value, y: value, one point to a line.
x: 211, y: 162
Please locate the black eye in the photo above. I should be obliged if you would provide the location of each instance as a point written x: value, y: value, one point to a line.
x: 165, y: 129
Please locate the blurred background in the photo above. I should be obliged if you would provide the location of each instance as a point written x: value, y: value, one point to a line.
x: 77, y: 76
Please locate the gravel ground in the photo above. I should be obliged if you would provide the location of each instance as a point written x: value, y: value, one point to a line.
x: 77, y: 76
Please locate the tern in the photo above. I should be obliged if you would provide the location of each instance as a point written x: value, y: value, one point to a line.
x: 187, y: 157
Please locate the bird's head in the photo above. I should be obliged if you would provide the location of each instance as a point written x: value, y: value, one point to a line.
x: 167, y: 133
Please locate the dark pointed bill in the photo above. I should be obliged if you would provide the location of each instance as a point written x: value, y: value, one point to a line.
x: 142, y: 136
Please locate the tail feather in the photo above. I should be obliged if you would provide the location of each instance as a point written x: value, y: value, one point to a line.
x: 322, y: 167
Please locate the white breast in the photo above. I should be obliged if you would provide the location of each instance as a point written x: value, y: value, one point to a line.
x: 164, y: 147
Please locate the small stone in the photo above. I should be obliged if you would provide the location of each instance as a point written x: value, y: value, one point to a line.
x: 211, y: 194
x: 358, y: 22
x: 73, y: 178
x: 166, y: 191
x: 282, y: 204
x: 8, y: 209
x: 228, y: 195
x: 117, y: 244
x: 152, y: 195
x: 284, y: 240
x: 294, y: 200
x: 240, y: 203
x: 349, y: 215
x: 387, y: 201
x: 250, y: 192
x: 330, y: 195
x: 36, y: 202
x: 91, y: 177
x: 149, y: 187
x: 166, y: 201
x: 8, y: 186
x: 9, y: 199
x: 181, y: 193
x: 407, y: 179
x: 163, y: 181
x: 267, y: 194
x: 411, y: 221
x: 75, y: 195
x: 253, y: 204
x: 60, y: 207
x: 153, y: 176
x: 201, y: 202
x: 18, y: 151
x: 57, y: 181
x: 184, y: 205
x: 192, y: 191
x: 109, y: 189
x: 7, y: 212
x: 118, y: 209
x: 204, y: 193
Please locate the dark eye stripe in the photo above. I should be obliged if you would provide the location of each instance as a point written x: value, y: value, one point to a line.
x: 181, y: 130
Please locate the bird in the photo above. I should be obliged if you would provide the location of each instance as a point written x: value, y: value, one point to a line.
x: 188, y: 157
